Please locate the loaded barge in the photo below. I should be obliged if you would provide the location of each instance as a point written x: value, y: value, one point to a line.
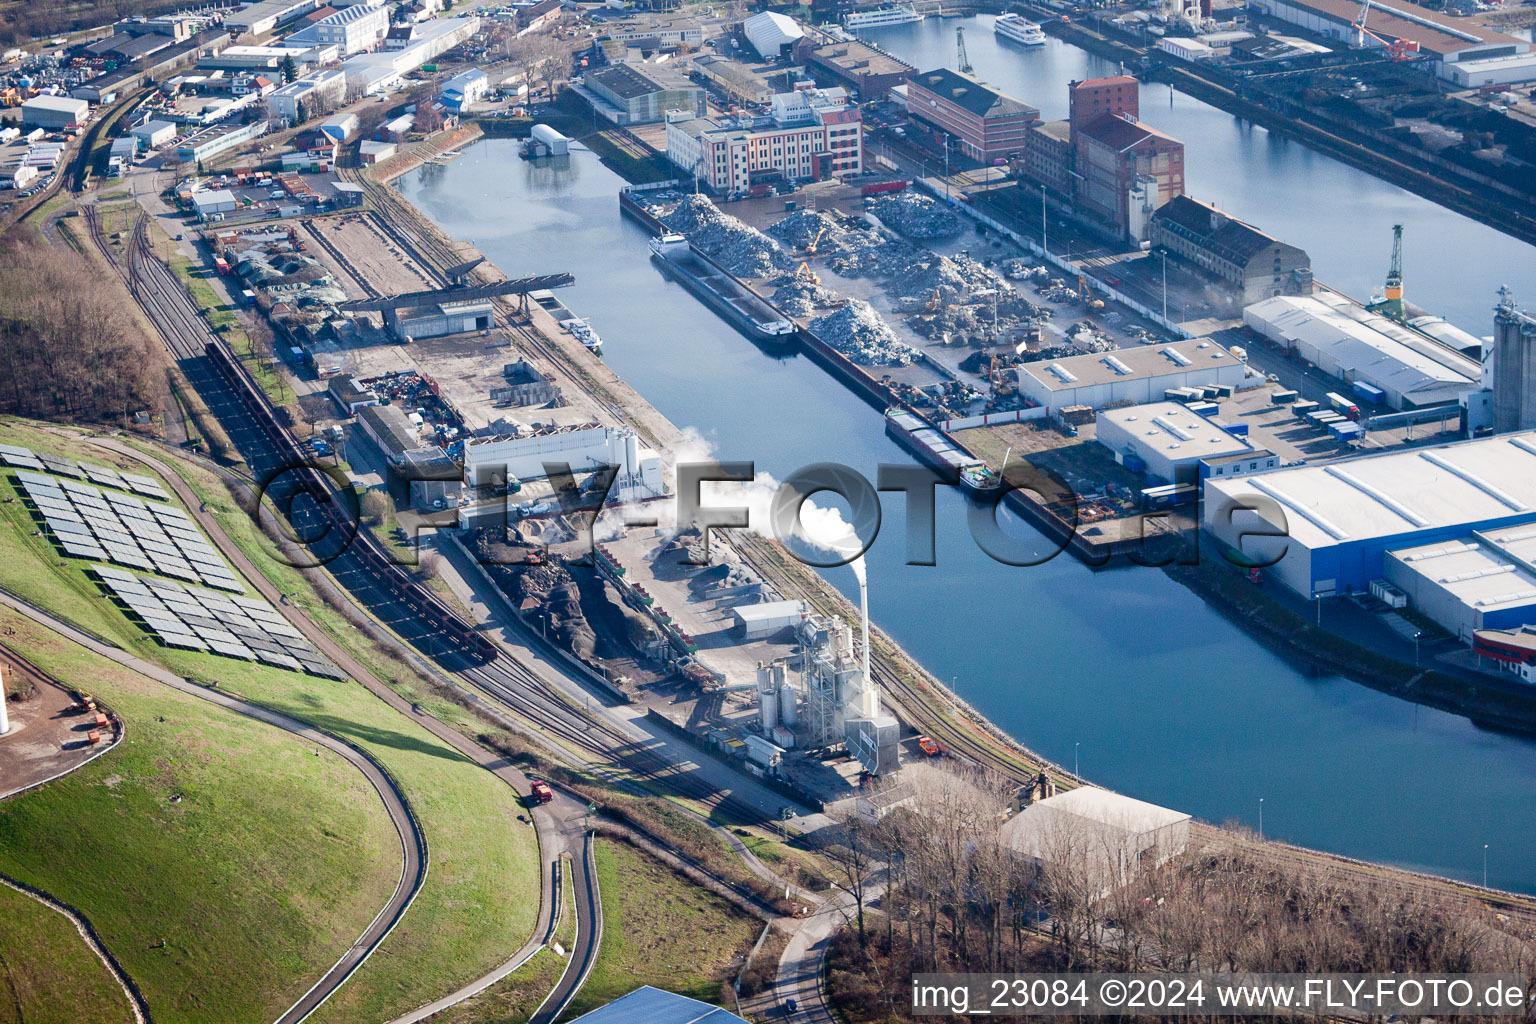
x: 720, y: 291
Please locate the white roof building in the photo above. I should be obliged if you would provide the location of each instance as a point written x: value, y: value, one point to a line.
x: 771, y: 34
x: 1332, y: 525
x: 1110, y: 837
x: 1137, y: 375
x: 1348, y: 341
x: 1480, y: 581
x: 1167, y: 437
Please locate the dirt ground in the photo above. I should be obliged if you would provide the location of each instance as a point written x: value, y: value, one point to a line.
x: 376, y: 257
x: 46, y: 738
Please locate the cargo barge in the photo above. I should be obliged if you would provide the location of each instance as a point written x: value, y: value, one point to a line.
x: 938, y: 449
x: 720, y: 291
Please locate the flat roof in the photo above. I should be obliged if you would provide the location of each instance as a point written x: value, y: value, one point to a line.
x: 767, y: 610
x: 1480, y: 576
x: 1369, y: 496
x: 856, y: 57
x: 1399, y: 19
x: 1134, y: 363
x: 1174, y: 431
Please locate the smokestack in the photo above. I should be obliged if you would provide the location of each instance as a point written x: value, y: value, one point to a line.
x: 870, y: 697
x: 5, y: 714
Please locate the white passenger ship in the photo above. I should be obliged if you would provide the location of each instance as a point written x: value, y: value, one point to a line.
x: 1020, y: 29
x: 898, y: 14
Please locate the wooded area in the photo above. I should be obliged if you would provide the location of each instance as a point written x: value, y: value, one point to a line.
x: 957, y: 899
x: 68, y: 348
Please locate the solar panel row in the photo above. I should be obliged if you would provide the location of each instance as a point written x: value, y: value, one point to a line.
x: 194, y: 619
x: 26, y: 458
x: 91, y: 523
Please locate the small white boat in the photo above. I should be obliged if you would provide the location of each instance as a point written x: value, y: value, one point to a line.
x: 1020, y: 29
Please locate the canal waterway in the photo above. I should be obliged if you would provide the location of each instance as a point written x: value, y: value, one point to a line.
x: 1125, y: 673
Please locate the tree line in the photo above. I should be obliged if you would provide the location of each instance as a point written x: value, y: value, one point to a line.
x: 953, y: 897
x: 69, y: 350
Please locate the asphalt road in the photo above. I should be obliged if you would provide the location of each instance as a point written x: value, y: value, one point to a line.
x: 589, y: 935
x: 413, y: 847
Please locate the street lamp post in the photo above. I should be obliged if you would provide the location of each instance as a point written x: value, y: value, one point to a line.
x: 1045, y: 242
x: 1418, y: 636
x: 1075, y: 773
x: 1485, y: 865
x: 1261, y: 819
x: 1164, y: 255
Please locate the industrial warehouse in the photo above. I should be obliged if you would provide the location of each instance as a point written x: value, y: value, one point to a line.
x: 1331, y: 529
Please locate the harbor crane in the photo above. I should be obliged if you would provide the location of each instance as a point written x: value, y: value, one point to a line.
x: 1394, y: 296
x: 964, y: 64
x: 1397, y: 49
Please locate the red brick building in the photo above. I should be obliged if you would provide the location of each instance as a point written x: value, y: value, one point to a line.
x: 1092, y: 98
x: 989, y: 125
x: 1125, y: 171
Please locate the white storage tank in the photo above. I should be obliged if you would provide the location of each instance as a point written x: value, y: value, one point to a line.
x: 788, y: 706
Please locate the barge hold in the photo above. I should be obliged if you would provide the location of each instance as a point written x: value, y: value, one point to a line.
x: 938, y: 449
x: 720, y: 291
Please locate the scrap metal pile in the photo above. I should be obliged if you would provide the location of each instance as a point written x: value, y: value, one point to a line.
x: 916, y: 216
x: 738, y: 247
x: 861, y: 334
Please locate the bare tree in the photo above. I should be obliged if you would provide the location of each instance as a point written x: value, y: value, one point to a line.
x: 853, y: 855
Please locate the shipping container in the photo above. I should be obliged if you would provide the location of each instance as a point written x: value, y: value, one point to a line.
x: 221, y: 265
x: 1169, y: 494
x: 1235, y: 429
x: 876, y: 187
x: 1370, y: 392
x: 1389, y: 595
x: 1283, y: 397
x: 1206, y: 409
x: 1302, y: 407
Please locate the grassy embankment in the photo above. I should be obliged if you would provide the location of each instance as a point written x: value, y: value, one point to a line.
x: 47, y: 973
x: 513, y: 999
x: 221, y: 860
x: 478, y: 903
x: 660, y: 929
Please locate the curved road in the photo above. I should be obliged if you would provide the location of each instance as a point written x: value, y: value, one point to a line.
x: 413, y: 845
x: 589, y: 936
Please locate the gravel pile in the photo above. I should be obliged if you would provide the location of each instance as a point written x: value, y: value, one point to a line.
x: 861, y: 334
x: 740, y: 248
x: 917, y: 216
x: 801, y: 298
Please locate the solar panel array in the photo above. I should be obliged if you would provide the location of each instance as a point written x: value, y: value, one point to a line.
x: 26, y: 458
x: 91, y: 523
x: 194, y: 619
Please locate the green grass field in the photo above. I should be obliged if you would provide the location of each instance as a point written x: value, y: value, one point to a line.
x: 479, y: 902
x: 660, y: 929
x: 263, y: 831
x: 48, y: 975
x: 513, y: 999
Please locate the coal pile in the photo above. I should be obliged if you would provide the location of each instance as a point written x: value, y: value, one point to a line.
x: 861, y: 334
x: 917, y: 216
x: 740, y: 248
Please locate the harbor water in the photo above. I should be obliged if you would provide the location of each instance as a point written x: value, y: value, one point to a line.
x: 1124, y: 673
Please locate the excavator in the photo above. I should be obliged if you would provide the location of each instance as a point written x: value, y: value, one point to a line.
x: 935, y: 302
x: 804, y: 274
x: 1087, y: 297
x: 810, y: 250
